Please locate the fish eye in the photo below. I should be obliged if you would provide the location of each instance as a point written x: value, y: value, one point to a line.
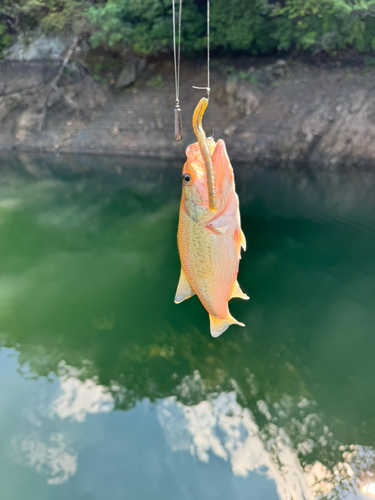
x: 187, y: 179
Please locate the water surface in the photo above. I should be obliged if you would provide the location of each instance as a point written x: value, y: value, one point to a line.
x: 108, y: 390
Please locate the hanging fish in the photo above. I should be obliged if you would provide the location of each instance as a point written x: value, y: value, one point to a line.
x: 209, y: 230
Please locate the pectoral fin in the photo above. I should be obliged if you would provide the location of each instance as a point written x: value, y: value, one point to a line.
x: 184, y: 290
x: 218, y: 325
x: 221, y: 230
x: 243, y: 241
x: 237, y: 292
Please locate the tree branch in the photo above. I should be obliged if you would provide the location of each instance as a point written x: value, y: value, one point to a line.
x: 52, y: 86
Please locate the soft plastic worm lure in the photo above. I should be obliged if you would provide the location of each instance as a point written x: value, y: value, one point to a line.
x: 205, y: 150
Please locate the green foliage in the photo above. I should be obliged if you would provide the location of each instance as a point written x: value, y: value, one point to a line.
x: 369, y: 61
x: 241, y: 26
x: 156, y: 82
x: 253, y: 78
x: 145, y: 26
x: 142, y: 26
x: 5, y: 37
x: 328, y: 25
x: 49, y: 15
x: 261, y: 26
x: 5, y: 27
x: 23, y: 16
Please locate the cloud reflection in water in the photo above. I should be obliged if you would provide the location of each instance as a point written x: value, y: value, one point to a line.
x: 80, y: 398
x: 64, y: 424
x: 223, y: 428
x: 71, y: 399
x: 52, y: 458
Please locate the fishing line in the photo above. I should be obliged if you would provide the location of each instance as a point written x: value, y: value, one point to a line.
x: 208, y: 54
x: 177, y: 58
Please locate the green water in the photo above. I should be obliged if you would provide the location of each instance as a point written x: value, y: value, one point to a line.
x: 108, y: 390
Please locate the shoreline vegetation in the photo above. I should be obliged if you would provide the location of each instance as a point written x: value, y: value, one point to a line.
x: 292, y: 82
x: 135, y: 27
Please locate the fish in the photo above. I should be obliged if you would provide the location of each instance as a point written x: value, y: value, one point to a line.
x: 210, y: 241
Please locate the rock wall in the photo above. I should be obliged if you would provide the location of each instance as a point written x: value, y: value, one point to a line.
x: 282, y: 113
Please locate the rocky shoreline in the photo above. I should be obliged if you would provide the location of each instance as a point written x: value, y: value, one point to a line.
x: 271, y: 112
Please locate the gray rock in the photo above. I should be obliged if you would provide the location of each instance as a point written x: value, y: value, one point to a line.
x: 241, y: 98
x: 140, y: 63
x: 38, y: 47
x: 278, y: 71
x: 7, y: 104
x: 231, y: 86
x: 17, y: 76
x: 250, y: 101
x: 325, y: 121
x: 129, y: 72
x: 280, y: 63
x: 231, y: 89
x: 27, y: 122
x: 230, y: 130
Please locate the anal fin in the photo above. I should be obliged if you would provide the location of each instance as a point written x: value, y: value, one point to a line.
x: 218, y: 325
x: 237, y: 292
x: 184, y: 290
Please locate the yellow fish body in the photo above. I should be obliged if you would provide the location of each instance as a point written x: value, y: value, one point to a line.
x: 209, y: 243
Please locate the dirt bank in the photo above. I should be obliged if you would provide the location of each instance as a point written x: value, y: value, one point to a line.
x: 274, y: 112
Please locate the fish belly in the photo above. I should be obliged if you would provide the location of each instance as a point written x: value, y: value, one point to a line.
x: 210, y: 263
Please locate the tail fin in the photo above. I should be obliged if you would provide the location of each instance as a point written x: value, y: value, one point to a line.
x: 218, y: 325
